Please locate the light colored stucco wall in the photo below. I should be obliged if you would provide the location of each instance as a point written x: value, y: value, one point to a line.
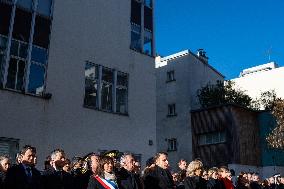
x: 97, y: 31
x: 258, y: 82
x: 190, y: 74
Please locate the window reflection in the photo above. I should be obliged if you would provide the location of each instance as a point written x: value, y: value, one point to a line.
x: 39, y: 55
x: 36, y: 79
x: 22, y: 25
x: 5, y: 15
x: 15, y: 74
x: 91, y: 85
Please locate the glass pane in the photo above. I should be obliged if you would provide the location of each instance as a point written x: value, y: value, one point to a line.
x: 107, y: 75
x: 148, y: 3
x: 2, y: 61
x: 222, y: 136
x: 202, y: 139
x: 121, y: 100
x: 23, y: 50
x: 14, y: 48
x: 39, y: 55
x: 42, y: 31
x: 148, y: 46
x: 135, y: 12
x: 215, y: 138
x: 208, y: 139
x: 5, y: 15
x: 122, y: 79
x: 15, y: 74
x: 135, y: 41
x: 91, y: 85
x: 3, y: 44
x: 44, y: 7
x: 106, y: 96
x: 36, y: 79
x: 27, y: 4
x: 91, y: 71
x: 148, y: 18
x: 22, y: 25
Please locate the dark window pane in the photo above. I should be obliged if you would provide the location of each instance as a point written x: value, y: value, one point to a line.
x: 39, y: 55
x: 22, y: 25
x: 147, y: 46
x: 121, y: 100
x: 135, y: 38
x: 2, y: 61
x: 107, y: 75
x: 19, y: 49
x: 148, y: 3
x: 42, y: 31
x: 122, y: 79
x: 5, y: 15
x: 106, y: 97
x: 36, y: 79
x: 91, y: 85
x: 148, y: 18
x: 15, y: 74
x: 135, y: 12
x: 3, y: 44
x: 44, y: 7
x: 27, y: 4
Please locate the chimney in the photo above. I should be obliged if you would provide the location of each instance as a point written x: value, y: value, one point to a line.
x: 201, y: 54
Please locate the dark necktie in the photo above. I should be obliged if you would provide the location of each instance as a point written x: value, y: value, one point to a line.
x: 29, y: 173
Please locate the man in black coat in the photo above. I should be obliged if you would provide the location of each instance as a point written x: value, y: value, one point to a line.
x: 24, y: 175
x: 127, y: 179
x: 159, y: 177
x: 54, y: 177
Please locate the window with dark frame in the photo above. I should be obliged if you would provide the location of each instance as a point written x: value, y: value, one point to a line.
x: 212, y: 138
x: 171, y: 76
x: 23, y: 68
x: 172, y: 110
x: 105, y: 90
x: 138, y: 42
x: 172, y: 144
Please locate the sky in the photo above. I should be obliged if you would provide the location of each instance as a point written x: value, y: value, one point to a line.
x: 236, y: 34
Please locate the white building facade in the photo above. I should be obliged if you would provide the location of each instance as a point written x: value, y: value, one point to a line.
x: 77, y: 75
x: 261, y: 78
x: 179, y: 77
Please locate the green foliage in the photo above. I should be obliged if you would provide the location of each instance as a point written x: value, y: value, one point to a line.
x: 222, y: 93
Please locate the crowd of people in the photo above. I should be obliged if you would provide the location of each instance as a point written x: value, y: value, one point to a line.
x: 107, y: 171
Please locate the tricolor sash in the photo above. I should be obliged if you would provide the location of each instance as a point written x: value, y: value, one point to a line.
x: 108, y: 184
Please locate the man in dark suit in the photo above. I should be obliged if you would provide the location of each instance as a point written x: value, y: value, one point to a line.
x: 54, y: 177
x: 127, y: 179
x: 24, y: 175
x: 159, y: 177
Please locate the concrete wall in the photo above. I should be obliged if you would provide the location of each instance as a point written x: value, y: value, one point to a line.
x: 97, y: 31
x: 258, y: 82
x: 190, y: 74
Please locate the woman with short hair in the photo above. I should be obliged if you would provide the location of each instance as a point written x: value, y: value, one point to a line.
x: 4, y: 166
x: 193, y: 178
x: 106, y: 178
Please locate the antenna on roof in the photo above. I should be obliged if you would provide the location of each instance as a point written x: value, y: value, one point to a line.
x: 268, y: 53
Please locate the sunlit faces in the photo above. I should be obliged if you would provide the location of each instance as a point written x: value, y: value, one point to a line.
x: 108, y: 167
x: 94, y: 163
x: 129, y: 163
x: 162, y: 161
x: 58, y: 160
x: 182, y: 165
x: 214, y: 175
x: 5, y: 164
x: 29, y: 157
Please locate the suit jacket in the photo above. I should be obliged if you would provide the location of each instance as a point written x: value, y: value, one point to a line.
x: 158, y: 178
x: 128, y: 180
x: 16, y: 178
x: 52, y: 179
x: 195, y: 182
x: 94, y: 184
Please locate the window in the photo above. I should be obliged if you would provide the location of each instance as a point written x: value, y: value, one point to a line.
x: 9, y: 147
x: 23, y: 66
x: 172, y: 110
x: 138, y: 41
x: 171, y: 76
x: 106, y: 89
x: 212, y: 138
x: 172, y: 144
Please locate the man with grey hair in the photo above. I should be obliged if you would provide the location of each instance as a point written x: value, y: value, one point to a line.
x: 127, y: 179
x: 54, y: 177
